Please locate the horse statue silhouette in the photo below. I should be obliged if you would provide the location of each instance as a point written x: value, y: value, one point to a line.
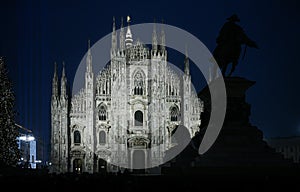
x: 229, y: 45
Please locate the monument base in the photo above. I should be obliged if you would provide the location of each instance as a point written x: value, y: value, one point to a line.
x: 239, y: 143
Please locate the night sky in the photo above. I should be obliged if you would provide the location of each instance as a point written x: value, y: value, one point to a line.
x: 35, y: 34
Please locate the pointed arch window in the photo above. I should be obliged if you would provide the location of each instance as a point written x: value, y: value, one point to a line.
x: 77, y: 137
x: 102, y: 112
x: 102, y: 137
x: 174, y: 113
x: 138, y: 118
x: 138, y: 84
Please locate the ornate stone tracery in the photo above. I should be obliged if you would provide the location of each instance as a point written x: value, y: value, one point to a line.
x: 135, y: 102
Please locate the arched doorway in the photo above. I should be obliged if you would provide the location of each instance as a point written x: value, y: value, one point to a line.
x: 102, y: 166
x: 77, y: 166
x: 139, y: 161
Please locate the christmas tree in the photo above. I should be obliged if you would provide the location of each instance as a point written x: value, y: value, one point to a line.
x: 9, y: 152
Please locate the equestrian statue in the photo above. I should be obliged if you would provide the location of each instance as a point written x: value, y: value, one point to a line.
x: 229, y: 46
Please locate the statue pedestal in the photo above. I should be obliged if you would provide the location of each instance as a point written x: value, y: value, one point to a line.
x: 239, y: 143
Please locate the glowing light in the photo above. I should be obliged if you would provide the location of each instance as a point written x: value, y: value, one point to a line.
x: 27, y: 138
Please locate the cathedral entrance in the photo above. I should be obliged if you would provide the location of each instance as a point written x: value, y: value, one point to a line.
x: 139, y: 161
x: 77, y: 166
x: 102, y: 166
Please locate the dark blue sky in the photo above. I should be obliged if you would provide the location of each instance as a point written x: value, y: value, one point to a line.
x: 34, y: 34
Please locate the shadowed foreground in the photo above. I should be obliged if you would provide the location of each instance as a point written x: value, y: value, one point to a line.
x: 191, y: 179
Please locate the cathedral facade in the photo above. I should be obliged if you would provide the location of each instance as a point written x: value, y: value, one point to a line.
x: 125, y: 115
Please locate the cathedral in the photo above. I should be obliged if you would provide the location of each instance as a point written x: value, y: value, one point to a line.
x: 125, y: 115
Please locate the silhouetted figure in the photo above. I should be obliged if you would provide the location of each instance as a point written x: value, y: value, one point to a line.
x: 229, y: 42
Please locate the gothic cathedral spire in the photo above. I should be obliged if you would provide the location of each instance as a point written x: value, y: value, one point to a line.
x: 89, y: 107
x: 63, y: 88
x: 59, y: 124
x: 128, y: 40
x: 154, y: 38
x: 186, y: 63
x: 122, y: 38
x: 114, y: 37
x: 89, y: 59
x: 55, y: 82
x: 163, y: 38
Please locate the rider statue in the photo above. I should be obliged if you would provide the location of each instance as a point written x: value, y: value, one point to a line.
x: 231, y: 38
